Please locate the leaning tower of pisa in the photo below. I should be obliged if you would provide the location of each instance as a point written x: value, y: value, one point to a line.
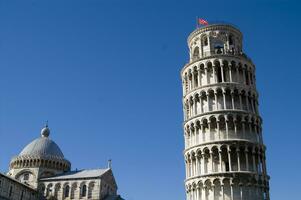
x: 224, y: 151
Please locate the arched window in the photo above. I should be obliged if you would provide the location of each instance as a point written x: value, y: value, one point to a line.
x: 26, y: 177
x: 218, y: 71
x: 219, y: 47
x: 67, y: 190
x: 48, y: 190
x: 90, y: 190
x: 84, y: 191
x: 219, y: 75
x: 56, y: 189
x: 205, y: 41
x: 196, y: 53
x: 73, y: 190
x: 10, y: 191
x: 42, y: 188
x: 231, y: 42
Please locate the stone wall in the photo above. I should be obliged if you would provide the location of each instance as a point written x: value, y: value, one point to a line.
x: 11, y: 189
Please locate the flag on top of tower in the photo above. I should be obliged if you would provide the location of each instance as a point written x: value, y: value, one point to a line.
x: 202, y: 22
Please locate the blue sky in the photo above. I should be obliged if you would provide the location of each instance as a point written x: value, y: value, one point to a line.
x: 106, y: 74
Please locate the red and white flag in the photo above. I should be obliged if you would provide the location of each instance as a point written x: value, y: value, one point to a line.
x: 202, y: 22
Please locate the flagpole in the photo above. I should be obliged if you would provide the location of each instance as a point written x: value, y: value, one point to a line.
x: 197, y: 22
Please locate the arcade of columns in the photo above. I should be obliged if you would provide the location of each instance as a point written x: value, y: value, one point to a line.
x: 224, y: 150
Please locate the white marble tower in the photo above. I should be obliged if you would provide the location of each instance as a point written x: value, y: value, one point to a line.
x: 224, y: 151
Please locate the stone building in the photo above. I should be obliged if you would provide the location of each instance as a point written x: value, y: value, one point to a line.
x: 224, y: 151
x: 11, y: 189
x: 42, y: 171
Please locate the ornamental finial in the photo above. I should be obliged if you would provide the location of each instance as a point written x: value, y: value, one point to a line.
x: 45, y: 132
x: 110, y: 163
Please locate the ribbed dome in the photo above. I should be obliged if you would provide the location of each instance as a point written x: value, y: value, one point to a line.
x: 42, y: 146
x: 41, y: 152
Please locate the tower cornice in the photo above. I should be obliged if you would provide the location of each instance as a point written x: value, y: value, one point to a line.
x: 237, y: 57
x: 213, y: 27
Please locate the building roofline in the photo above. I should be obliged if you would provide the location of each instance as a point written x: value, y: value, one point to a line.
x: 61, y: 176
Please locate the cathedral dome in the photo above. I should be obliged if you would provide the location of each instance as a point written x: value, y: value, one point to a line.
x: 41, y: 152
x: 42, y: 146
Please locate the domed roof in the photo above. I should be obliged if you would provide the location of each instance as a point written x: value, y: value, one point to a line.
x: 42, y: 146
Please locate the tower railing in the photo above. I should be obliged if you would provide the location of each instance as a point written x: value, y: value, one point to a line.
x: 207, y: 54
x: 220, y: 22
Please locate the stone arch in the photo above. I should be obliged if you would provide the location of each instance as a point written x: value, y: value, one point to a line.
x: 205, y: 127
x: 236, y: 99
x: 204, y: 40
x: 206, y: 157
x: 210, y: 73
x: 239, y: 126
x: 24, y: 171
x: 224, y: 158
x: 66, y: 190
x: 91, y: 189
x: 227, y: 188
x: 218, y: 70
x: 226, y: 71
x: 246, y: 78
x: 57, y: 188
x: 215, y: 159
x: 227, y: 98
x: 211, y: 99
x: 203, y: 101
x: 48, y: 189
x: 231, y: 126
x: 41, y: 188
x: 208, y: 189
x: 217, y: 189
x: 222, y: 127
x: 73, y: 190
x: 231, y: 42
x: 243, y: 94
x: 83, y: 189
x: 196, y: 53
x: 219, y: 98
x: 240, y: 69
x: 213, y: 128
x: 202, y: 74
x: 236, y: 188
